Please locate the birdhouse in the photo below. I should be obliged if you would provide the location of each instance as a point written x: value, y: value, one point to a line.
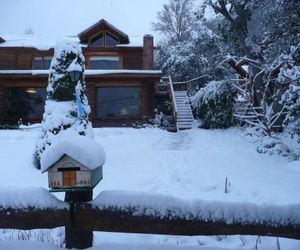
x: 73, y: 164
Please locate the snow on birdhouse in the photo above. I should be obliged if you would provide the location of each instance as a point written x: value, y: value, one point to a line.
x: 73, y: 163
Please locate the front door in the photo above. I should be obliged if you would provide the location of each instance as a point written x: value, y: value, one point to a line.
x: 69, y: 178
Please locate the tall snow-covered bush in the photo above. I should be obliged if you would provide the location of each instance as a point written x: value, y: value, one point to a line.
x: 66, y: 108
x: 214, y: 105
x: 290, y: 75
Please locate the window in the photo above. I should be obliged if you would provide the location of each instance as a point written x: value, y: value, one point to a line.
x: 47, y: 62
x: 26, y: 103
x: 41, y: 62
x: 97, y: 41
x: 110, y: 41
x: 38, y: 63
x: 104, y: 62
x: 118, y: 102
x: 104, y: 39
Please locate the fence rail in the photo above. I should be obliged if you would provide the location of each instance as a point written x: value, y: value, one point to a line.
x: 81, y: 219
x: 116, y: 219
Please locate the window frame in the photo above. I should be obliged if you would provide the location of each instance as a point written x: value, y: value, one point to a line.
x: 103, y: 56
x: 128, y: 117
x: 104, y: 43
x: 27, y: 87
x: 43, y: 61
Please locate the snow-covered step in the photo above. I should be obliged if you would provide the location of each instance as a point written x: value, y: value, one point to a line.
x: 185, y: 117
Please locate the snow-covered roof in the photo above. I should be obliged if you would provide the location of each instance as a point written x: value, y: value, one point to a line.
x: 34, y: 41
x: 48, y: 42
x: 81, y: 148
x: 88, y: 72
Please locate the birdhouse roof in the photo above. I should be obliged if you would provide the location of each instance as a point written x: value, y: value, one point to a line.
x: 82, y: 149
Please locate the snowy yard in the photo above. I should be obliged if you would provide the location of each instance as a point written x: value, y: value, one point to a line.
x: 191, y: 164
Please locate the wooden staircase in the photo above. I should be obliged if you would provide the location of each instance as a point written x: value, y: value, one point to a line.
x: 185, y: 117
x: 182, y: 112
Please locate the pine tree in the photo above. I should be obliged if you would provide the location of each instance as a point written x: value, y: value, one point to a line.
x: 66, y: 109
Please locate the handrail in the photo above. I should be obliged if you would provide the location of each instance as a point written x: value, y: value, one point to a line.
x: 173, y: 101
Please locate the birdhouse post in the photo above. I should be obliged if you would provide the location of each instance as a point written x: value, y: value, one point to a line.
x: 74, y: 166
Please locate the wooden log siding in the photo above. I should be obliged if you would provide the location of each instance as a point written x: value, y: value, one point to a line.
x: 133, y: 59
x: 18, y: 58
x: 22, y: 58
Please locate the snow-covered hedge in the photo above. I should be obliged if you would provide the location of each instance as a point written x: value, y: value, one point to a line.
x: 214, y: 105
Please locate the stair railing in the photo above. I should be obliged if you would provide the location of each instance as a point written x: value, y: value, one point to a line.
x: 172, y: 94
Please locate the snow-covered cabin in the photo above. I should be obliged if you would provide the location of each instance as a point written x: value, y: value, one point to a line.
x: 73, y: 164
x: 120, y: 75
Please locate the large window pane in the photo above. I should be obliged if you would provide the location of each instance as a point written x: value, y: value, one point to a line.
x: 47, y: 62
x: 97, y: 41
x: 104, y: 62
x: 118, y: 102
x: 38, y: 63
x: 111, y: 41
x: 26, y: 103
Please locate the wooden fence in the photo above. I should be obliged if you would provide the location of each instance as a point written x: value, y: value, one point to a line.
x: 81, y: 219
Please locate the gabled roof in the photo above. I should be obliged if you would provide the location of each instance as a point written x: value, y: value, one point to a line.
x: 2, y: 40
x: 95, y: 29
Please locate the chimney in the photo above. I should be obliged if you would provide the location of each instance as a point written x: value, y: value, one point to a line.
x: 148, y: 60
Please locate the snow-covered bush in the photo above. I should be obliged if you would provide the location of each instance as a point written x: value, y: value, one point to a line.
x: 66, y: 108
x: 214, y: 105
x: 290, y: 75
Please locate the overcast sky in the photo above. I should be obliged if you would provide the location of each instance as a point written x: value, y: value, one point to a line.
x: 70, y: 17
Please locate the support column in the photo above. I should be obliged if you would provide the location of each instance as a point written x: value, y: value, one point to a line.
x: 77, y: 236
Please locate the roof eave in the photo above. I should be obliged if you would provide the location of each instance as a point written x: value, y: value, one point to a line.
x: 82, y: 36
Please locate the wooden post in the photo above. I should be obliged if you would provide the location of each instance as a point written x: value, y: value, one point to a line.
x: 76, y: 235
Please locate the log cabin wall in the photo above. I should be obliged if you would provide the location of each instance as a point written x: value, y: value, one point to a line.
x: 130, y: 58
x: 23, y: 58
x: 19, y: 58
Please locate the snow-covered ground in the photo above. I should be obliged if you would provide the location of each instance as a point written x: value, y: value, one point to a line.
x: 191, y: 164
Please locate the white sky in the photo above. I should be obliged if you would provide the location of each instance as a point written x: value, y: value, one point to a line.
x: 70, y: 17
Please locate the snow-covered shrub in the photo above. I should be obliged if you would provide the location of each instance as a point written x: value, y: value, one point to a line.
x: 66, y: 108
x: 290, y: 75
x: 214, y: 105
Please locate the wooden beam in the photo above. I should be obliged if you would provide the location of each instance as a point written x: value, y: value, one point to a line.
x: 118, y: 220
x: 115, y: 219
x: 30, y: 218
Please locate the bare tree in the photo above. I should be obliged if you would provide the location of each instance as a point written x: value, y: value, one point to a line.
x: 177, y: 19
x: 29, y: 31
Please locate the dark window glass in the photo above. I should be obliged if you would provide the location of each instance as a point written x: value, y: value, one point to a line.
x: 47, y: 62
x: 118, y: 102
x: 38, y: 63
x: 97, y: 41
x: 104, y: 62
x: 111, y: 41
x: 26, y: 103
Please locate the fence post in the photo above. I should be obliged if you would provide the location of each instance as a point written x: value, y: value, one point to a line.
x: 77, y: 236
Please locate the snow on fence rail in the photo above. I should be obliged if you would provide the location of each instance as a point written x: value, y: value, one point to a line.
x: 119, y: 211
